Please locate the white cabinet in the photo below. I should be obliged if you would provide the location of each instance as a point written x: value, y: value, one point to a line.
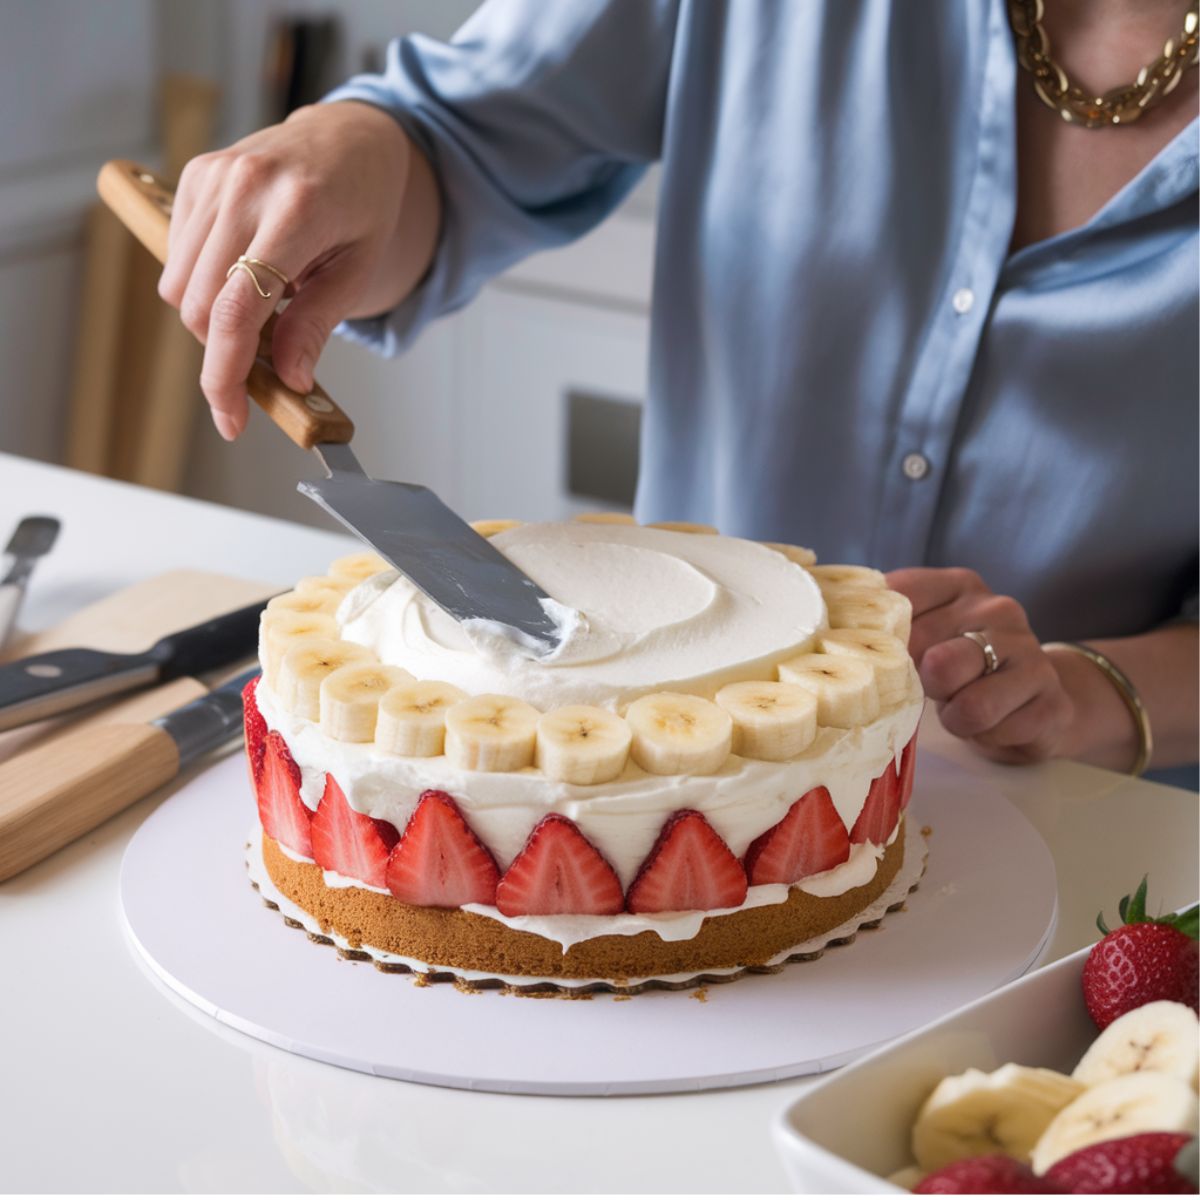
x: 525, y: 357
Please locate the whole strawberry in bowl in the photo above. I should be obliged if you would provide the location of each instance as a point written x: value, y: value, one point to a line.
x: 1144, y: 959
x: 1145, y: 1163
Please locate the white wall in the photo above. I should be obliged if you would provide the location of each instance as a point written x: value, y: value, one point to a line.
x: 76, y: 87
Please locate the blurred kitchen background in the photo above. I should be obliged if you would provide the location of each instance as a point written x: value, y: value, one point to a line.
x: 526, y: 404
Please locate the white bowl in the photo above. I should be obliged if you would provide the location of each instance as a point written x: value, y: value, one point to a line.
x: 853, y: 1129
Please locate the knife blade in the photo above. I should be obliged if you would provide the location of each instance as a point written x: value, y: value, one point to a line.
x: 57, y: 681
x: 409, y: 525
x: 32, y: 538
x: 60, y: 790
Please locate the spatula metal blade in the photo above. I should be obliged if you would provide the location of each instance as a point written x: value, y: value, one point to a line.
x: 437, y: 550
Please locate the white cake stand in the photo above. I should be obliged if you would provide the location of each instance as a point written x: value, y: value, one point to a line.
x: 982, y: 914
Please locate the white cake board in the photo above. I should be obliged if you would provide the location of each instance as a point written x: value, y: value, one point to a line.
x: 980, y: 917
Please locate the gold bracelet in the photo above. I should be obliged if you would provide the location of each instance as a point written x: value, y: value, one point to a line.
x: 1128, y: 693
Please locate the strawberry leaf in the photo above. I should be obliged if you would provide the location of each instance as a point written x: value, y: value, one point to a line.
x: 1186, y: 922
x: 1133, y: 912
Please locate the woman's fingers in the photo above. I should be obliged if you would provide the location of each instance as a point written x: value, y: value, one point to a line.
x: 986, y: 700
x: 307, y: 323
x: 974, y: 612
x: 236, y: 316
x: 950, y: 665
x: 934, y: 587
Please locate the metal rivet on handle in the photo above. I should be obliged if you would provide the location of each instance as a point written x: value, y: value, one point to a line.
x: 146, y: 177
x: 318, y: 404
x: 43, y: 670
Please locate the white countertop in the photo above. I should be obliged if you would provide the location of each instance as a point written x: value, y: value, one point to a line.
x: 109, y: 1084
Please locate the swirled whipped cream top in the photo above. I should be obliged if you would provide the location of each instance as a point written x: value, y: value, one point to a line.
x: 643, y: 610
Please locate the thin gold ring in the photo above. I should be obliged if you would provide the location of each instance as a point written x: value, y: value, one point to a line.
x: 247, y: 264
x: 991, y: 661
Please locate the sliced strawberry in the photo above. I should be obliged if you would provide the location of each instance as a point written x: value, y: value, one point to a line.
x: 349, y: 842
x: 559, y: 871
x: 881, y: 811
x: 256, y: 730
x: 689, y: 868
x: 811, y: 838
x: 908, y: 767
x: 438, y: 861
x: 282, y: 813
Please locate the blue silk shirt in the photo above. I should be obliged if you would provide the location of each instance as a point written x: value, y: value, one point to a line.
x: 844, y: 351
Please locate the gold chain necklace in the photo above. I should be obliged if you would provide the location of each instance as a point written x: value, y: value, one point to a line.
x: 1118, y: 106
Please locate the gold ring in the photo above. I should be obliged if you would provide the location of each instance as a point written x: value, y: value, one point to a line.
x: 247, y: 264
x: 991, y: 661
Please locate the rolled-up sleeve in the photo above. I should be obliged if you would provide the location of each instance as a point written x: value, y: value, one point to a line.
x: 537, y: 118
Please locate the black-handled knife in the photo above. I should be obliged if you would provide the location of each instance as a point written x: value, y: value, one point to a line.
x: 44, y: 685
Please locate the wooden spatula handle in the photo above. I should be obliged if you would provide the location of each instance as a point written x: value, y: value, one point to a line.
x: 142, y: 202
x: 54, y: 793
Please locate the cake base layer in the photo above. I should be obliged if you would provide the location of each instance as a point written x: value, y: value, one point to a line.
x: 473, y: 942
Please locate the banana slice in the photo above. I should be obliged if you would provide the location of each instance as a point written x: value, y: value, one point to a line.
x: 412, y: 718
x: 490, y: 528
x: 605, y: 518
x: 907, y: 1177
x: 310, y: 583
x: 682, y: 527
x: 1163, y: 1036
x: 1145, y: 1102
x: 675, y: 734
x: 869, y: 608
x: 582, y: 744
x: 1002, y: 1112
x: 352, y: 569
x: 314, y: 600
x: 845, y: 687
x: 887, y: 655
x: 279, y: 629
x: 349, y: 698
x: 832, y: 575
x: 771, y: 721
x: 304, y: 666
x: 491, y: 733
x: 797, y: 554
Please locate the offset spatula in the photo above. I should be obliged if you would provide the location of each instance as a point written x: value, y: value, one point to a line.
x: 406, y: 523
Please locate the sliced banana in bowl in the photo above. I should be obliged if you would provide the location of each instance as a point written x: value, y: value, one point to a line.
x: 1163, y: 1036
x: 1004, y: 1111
x: 1144, y: 1102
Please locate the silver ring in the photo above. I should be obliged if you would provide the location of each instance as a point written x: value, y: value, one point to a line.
x: 991, y: 661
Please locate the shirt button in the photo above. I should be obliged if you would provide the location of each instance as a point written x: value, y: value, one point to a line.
x: 963, y: 301
x: 915, y: 466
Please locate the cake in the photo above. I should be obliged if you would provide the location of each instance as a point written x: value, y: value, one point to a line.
x: 710, y: 776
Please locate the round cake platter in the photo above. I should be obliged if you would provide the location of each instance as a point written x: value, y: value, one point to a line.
x: 980, y: 917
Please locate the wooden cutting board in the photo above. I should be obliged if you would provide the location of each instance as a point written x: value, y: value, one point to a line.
x: 130, y: 620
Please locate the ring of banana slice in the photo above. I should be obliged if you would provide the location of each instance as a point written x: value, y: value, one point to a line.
x: 856, y: 670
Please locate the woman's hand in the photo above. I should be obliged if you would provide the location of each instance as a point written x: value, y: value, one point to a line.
x: 323, y: 197
x: 1021, y: 712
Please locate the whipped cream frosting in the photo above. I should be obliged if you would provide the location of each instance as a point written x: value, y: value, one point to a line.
x: 643, y: 610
